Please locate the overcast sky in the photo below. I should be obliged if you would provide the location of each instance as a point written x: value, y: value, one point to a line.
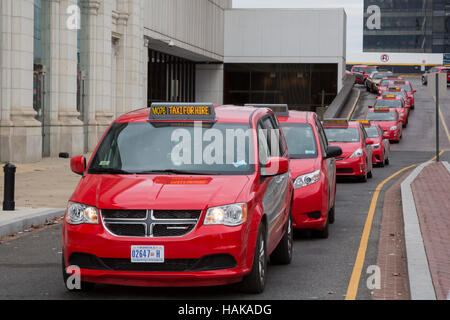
x: 353, y: 8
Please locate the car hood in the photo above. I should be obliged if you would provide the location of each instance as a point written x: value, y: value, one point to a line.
x: 303, y: 166
x: 347, y: 148
x: 158, y: 192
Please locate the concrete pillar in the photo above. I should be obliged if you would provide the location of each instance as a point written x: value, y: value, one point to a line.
x: 20, y: 132
x: 209, y: 83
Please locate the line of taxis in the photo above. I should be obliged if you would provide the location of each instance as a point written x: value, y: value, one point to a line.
x: 189, y: 194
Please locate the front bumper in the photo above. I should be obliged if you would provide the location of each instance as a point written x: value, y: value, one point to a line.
x: 351, y: 167
x: 309, y: 208
x: 203, y: 241
x: 392, y: 135
x: 377, y: 155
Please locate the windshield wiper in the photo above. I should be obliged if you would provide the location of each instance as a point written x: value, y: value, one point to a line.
x: 169, y: 171
x: 108, y: 171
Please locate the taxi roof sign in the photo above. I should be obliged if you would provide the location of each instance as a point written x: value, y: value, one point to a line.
x: 390, y: 96
x: 366, y: 123
x: 182, y: 112
x: 382, y: 109
x: 336, y: 122
x: 281, y: 110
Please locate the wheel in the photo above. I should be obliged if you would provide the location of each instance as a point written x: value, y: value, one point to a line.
x: 382, y: 164
x: 256, y: 280
x: 331, y: 215
x: 323, y: 234
x: 386, y: 162
x: 424, y: 82
x: 84, y: 286
x: 283, y: 252
x: 364, y: 178
x: 370, y: 175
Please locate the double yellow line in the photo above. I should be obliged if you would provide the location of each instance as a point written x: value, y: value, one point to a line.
x: 352, y: 289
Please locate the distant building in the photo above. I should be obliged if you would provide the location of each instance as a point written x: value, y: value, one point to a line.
x: 421, y: 26
x: 63, y: 81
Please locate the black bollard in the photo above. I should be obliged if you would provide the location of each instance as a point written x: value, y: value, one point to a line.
x: 10, y: 176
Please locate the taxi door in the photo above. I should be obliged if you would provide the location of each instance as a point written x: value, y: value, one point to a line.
x: 367, y: 148
x: 275, y: 204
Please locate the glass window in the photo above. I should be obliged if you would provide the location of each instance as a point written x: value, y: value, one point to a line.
x: 390, y: 103
x: 372, y: 132
x: 381, y: 116
x: 342, y: 134
x: 300, y: 140
x: 146, y: 148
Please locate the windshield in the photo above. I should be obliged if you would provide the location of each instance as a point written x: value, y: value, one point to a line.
x: 396, y: 93
x: 371, y: 69
x: 406, y: 87
x: 372, y: 132
x: 390, y: 103
x: 133, y: 148
x: 342, y: 134
x: 300, y: 140
x: 381, y: 116
x: 381, y: 75
x: 385, y: 83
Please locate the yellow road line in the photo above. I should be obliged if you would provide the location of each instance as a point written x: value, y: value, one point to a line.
x: 444, y: 124
x: 352, y: 289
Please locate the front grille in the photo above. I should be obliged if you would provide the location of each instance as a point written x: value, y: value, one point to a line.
x: 206, y: 263
x: 150, y: 223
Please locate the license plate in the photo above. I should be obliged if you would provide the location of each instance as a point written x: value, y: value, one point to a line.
x: 147, y: 254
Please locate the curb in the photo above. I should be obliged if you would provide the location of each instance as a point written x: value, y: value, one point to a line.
x: 23, y: 223
x: 419, y: 275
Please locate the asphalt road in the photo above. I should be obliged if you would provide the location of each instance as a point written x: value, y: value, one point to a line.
x: 321, y: 269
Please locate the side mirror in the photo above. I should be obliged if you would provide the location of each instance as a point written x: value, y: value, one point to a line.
x: 333, y: 152
x: 370, y: 107
x: 369, y: 142
x: 414, y: 91
x: 275, y: 166
x: 78, y: 165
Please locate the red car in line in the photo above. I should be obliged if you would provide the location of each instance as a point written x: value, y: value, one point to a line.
x: 394, y: 102
x: 362, y: 72
x: 433, y: 71
x: 398, y: 92
x: 389, y: 121
x: 407, y: 86
x: 351, y: 137
x: 384, y: 84
x: 313, y: 170
x: 155, y: 208
x: 381, y: 147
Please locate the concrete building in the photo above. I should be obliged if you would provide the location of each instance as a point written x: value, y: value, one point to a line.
x: 69, y: 67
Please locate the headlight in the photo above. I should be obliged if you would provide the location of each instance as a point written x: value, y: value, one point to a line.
x: 358, y: 153
x: 229, y: 215
x: 376, y: 145
x: 80, y: 214
x: 393, y: 128
x: 307, y: 179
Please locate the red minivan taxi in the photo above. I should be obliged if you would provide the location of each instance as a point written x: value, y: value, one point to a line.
x: 313, y: 169
x: 356, y: 159
x: 182, y: 195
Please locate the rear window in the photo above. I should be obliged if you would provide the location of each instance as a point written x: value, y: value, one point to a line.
x: 371, y: 69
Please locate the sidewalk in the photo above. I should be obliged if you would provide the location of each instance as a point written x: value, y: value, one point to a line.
x: 432, y: 201
x: 41, y: 193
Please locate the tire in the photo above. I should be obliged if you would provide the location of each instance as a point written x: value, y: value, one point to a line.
x: 332, y: 215
x: 370, y: 175
x: 84, y: 286
x: 382, y: 164
x: 364, y: 178
x: 256, y: 280
x: 323, y: 234
x: 386, y: 162
x: 424, y: 82
x: 283, y: 252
